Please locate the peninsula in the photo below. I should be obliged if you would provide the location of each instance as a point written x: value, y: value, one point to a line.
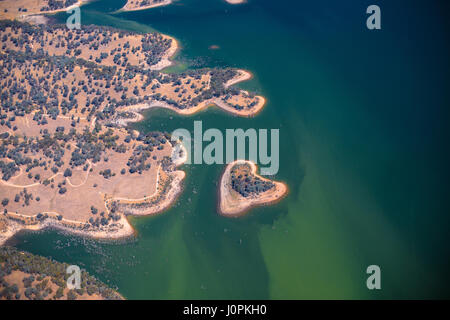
x: 67, y: 158
x: 235, y: 1
x: 241, y: 188
x: 22, y: 9
x: 134, y: 5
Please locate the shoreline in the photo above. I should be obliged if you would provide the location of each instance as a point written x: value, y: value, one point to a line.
x: 232, y: 205
x: 218, y: 102
x: 244, y: 75
x: 172, y: 196
x: 150, y: 6
x: 120, y: 229
x: 137, y: 108
x: 125, y: 230
x: 235, y: 1
x: 42, y: 13
x: 167, y: 56
x: 15, y: 228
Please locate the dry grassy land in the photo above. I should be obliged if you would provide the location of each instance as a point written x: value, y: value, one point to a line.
x: 18, y: 9
x: 66, y: 159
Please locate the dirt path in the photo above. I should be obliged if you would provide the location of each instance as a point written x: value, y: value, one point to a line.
x: 85, y: 179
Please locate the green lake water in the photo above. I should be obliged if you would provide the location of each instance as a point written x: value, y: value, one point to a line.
x: 363, y: 125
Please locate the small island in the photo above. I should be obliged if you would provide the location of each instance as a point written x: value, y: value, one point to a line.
x: 25, y: 276
x: 241, y: 188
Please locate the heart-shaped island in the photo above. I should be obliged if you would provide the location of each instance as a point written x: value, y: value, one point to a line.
x: 241, y: 188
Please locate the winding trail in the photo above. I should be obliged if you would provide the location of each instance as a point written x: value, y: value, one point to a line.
x: 85, y: 179
x: 28, y: 185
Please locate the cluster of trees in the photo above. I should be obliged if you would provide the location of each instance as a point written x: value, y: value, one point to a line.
x: 139, y: 161
x: 17, y: 151
x: 41, y: 272
x: 216, y: 86
x: 103, y: 219
x: 107, y: 173
x: 143, y: 3
x: 49, y: 95
x: 8, y: 169
x: 167, y: 164
x: 99, y: 221
x: 45, y: 93
x: 246, y: 184
x: 86, y: 150
x: 57, y: 5
x: 152, y: 47
x: 7, y: 291
x: 240, y: 107
x: 25, y: 195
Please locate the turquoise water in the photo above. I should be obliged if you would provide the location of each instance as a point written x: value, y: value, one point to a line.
x: 363, y: 124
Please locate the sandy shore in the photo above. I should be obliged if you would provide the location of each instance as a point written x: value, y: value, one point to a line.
x: 174, y: 191
x: 127, y: 6
x: 232, y: 204
x: 242, y: 76
x: 242, y: 113
x: 118, y: 230
x: 235, y: 1
x: 122, y: 228
x: 136, y: 109
x: 78, y: 4
x: 33, y: 13
x: 165, y: 60
x: 39, y: 18
x: 35, y: 19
